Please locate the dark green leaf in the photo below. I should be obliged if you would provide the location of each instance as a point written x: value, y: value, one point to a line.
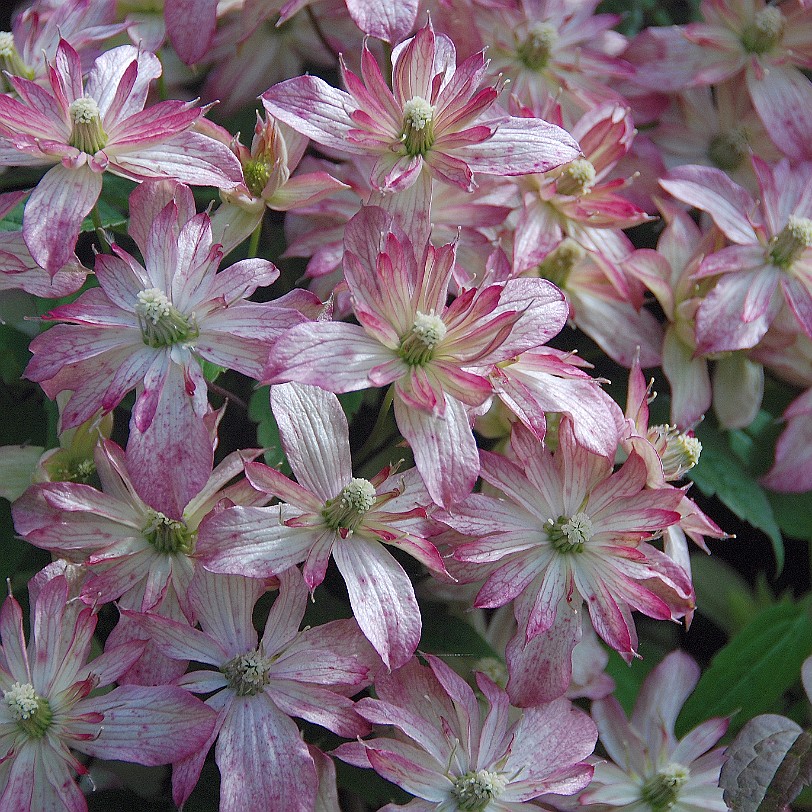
x: 793, y: 512
x: 211, y: 372
x: 720, y: 472
x: 259, y: 410
x: 754, y: 669
x: 449, y: 636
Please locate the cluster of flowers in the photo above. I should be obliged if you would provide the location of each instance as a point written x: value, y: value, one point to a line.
x: 474, y: 184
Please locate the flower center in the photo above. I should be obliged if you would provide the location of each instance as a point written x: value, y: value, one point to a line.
x: 247, y: 674
x: 474, y: 791
x: 556, y: 266
x: 348, y: 508
x: 679, y: 451
x: 417, y: 346
x: 790, y: 243
x: 568, y: 535
x: 536, y: 50
x: 576, y: 179
x: 10, y: 59
x: 418, y: 126
x: 168, y: 535
x: 88, y: 135
x: 764, y: 33
x: 32, y: 712
x: 661, y: 791
x: 160, y: 321
x: 728, y: 150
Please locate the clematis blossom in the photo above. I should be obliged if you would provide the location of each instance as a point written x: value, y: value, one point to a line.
x: 568, y: 532
x: 85, y: 129
x: 435, y: 122
x: 149, y: 327
x: 452, y: 753
x: 256, y: 686
x: 433, y: 353
x: 46, y: 708
x: 328, y: 512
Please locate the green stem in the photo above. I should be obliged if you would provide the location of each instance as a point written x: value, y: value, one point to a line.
x: 378, y: 432
x: 253, y: 246
x: 100, y: 234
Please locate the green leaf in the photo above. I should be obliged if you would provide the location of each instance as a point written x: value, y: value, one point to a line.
x: 754, y: 669
x: 721, y: 473
x: 351, y: 403
x: 111, y: 218
x: 259, y: 410
x: 629, y: 677
x: 449, y: 636
x: 792, y: 512
x: 211, y: 372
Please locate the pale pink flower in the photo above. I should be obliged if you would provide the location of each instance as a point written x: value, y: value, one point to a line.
x: 46, y: 709
x: 256, y: 686
x: 569, y: 531
x: 135, y: 553
x: 432, y: 352
x: 555, y: 49
x: 770, y: 261
x: 768, y: 42
x: 83, y: 130
x: 650, y: 769
x: 435, y: 122
x: 453, y: 753
x: 328, y: 512
x: 148, y: 327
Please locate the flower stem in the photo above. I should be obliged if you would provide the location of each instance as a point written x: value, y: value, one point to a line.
x: 100, y: 233
x: 378, y: 433
x: 253, y: 246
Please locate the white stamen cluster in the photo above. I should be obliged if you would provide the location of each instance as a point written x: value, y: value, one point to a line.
x: 679, y: 451
x: 84, y: 110
x: 569, y: 534
x: 475, y: 790
x: 358, y: 495
x: 577, y: 178
x: 418, y: 113
x: 153, y: 305
x: 429, y: 328
x: 22, y: 700
x: 765, y: 31
x: 7, y: 48
x: 247, y: 674
x: 794, y: 238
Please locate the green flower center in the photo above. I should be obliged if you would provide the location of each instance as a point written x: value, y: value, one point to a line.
x: 558, y: 264
x: 537, y: 48
x: 765, y: 32
x: 661, y: 791
x: 346, y: 511
x: 569, y: 534
x: 161, y: 322
x: 32, y: 712
x: 474, y: 791
x: 494, y: 668
x: 728, y: 150
x: 678, y: 450
x: 168, y: 535
x: 417, y: 346
x: 795, y: 237
x: 577, y: 179
x: 247, y: 674
x: 88, y: 135
x: 418, y: 126
x: 10, y: 60
x: 257, y: 173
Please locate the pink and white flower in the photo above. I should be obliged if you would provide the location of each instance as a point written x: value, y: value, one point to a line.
x: 452, y: 753
x: 84, y: 129
x: 433, y: 353
x: 256, y: 686
x: 328, y: 512
x: 46, y: 708
x: 569, y: 531
x: 148, y: 327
